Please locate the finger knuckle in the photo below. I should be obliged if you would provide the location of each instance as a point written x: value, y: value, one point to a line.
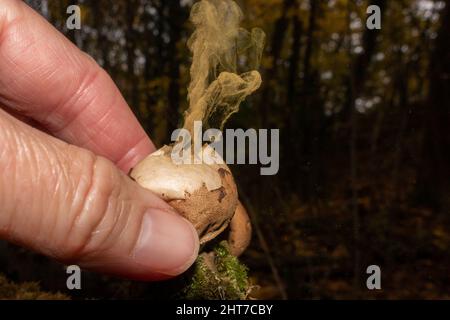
x: 98, y: 211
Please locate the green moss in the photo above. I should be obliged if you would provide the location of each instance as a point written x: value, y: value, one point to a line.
x: 215, y: 275
x: 25, y: 291
x: 218, y: 275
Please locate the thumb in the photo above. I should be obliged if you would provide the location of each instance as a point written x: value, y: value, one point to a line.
x: 73, y: 206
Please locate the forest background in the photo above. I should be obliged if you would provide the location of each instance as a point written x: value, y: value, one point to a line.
x: 364, y: 117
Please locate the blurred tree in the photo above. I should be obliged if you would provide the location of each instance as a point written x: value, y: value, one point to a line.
x: 434, y: 179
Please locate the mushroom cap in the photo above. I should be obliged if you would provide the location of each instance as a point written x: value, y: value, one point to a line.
x: 205, y: 194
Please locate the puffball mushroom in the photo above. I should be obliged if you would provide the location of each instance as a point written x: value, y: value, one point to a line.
x: 205, y: 194
x: 240, y: 231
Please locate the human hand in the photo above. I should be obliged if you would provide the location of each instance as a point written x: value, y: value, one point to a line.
x: 63, y: 191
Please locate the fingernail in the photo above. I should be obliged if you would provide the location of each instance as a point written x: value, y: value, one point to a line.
x: 167, y: 243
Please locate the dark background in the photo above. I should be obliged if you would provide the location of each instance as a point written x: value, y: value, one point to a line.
x: 364, y: 118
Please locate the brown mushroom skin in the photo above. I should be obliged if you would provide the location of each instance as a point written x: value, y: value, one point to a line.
x: 206, y: 195
x: 240, y: 231
x: 210, y: 211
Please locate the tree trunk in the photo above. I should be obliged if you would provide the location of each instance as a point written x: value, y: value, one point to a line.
x: 434, y: 182
x: 278, y: 36
x: 176, y: 18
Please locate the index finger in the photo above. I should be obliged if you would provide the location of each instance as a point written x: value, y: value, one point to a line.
x: 45, y: 77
